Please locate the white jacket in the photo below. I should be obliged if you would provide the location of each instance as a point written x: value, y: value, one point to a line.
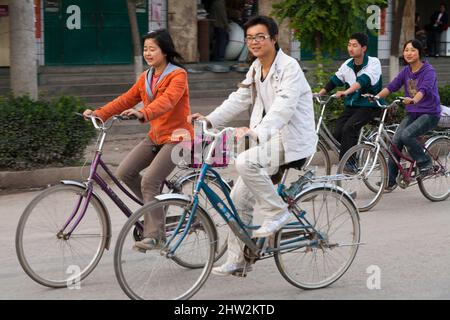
x: 291, y: 112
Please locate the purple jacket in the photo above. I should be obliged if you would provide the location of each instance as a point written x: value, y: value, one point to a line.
x: 424, y: 81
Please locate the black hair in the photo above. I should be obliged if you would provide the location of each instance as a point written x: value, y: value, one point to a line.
x: 444, y: 5
x: 271, y: 25
x: 362, y: 38
x: 164, y: 41
x: 417, y: 45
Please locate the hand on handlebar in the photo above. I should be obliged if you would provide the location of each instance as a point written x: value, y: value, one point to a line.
x: 408, y: 100
x: 132, y: 113
x: 88, y: 113
x: 340, y: 94
x: 198, y: 117
x: 242, y: 132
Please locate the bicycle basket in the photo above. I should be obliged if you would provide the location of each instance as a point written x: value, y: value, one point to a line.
x: 444, y: 121
x: 200, y: 148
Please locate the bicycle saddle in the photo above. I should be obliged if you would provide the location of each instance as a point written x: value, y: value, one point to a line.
x: 297, y: 164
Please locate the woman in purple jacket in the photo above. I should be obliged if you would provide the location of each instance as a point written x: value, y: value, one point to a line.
x: 423, y: 107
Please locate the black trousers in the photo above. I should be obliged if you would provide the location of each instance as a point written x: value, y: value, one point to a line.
x: 349, y: 124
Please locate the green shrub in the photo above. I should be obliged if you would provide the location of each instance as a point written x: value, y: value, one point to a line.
x: 40, y: 133
x: 444, y: 93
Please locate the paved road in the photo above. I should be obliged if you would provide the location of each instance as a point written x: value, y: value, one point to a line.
x: 408, y: 239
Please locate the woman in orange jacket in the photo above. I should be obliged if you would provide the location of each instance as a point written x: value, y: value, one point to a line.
x: 163, y: 89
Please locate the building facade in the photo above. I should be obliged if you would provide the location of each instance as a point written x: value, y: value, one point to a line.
x: 86, y: 32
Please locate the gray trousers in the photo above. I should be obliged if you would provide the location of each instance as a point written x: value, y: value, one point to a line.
x: 254, y: 188
x: 159, y: 165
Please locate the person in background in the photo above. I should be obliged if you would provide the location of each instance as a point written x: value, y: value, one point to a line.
x: 218, y: 12
x: 439, y: 23
x: 423, y: 107
x: 360, y: 74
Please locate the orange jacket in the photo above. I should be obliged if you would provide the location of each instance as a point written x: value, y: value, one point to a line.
x: 166, y: 112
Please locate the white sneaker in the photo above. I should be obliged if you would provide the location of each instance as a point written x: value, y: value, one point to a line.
x: 230, y: 269
x: 269, y: 227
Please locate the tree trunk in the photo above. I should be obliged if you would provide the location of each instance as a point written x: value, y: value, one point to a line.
x: 137, y: 50
x: 23, y: 57
x: 397, y: 12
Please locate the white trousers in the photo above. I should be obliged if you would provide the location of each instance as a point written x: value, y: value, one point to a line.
x: 254, y: 188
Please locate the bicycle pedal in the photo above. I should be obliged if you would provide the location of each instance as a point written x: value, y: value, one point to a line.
x: 239, y: 274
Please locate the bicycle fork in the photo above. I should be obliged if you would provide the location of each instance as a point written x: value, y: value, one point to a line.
x: 86, y: 195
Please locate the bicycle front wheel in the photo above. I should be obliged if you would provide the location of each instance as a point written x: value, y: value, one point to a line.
x: 187, y: 186
x: 437, y: 186
x: 317, y: 252
x: 155, y: 274
x: 44, y: 253
x: 366, y: 173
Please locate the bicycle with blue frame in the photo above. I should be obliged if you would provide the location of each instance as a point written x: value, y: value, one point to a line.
x: 312, y: 251
x: 64, y: 231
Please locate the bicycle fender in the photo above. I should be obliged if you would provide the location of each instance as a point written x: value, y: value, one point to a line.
x: 328, y: 186
x: 433, y: 139
x: 176, y: 196
x: 185, y: 197
x: 102, y: 204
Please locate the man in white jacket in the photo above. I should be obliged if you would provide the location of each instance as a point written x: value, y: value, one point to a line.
x: 282, y: 122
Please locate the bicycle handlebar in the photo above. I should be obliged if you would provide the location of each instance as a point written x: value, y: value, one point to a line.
x: 317, y: 96
x: 99, y: 124
x: 384, y: 106
x: 212, y: 133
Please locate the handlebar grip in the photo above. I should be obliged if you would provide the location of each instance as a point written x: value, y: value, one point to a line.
x: 126, y: 117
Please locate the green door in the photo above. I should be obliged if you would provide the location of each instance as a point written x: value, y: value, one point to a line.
x: 90, y: 32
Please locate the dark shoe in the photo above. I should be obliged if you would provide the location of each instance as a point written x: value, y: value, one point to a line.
x: 390, y: 186
x: 425, y: 172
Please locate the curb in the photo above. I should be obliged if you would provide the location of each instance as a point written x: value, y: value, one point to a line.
x: 44, y: 177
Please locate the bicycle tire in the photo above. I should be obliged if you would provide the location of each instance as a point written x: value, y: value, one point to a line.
x: 155, y: 273
x: 290, y: 261
x: 367, y: 193
x: 36, y: 260
x: 441, y: 179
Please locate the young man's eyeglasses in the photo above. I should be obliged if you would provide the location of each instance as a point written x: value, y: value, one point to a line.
x: 257, y: 38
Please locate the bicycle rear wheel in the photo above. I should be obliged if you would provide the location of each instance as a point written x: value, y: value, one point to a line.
x: 319, y: 252
x: 437, y: 186
x: 46, y: 255
x: 154, y: 275
x: 367, y: 175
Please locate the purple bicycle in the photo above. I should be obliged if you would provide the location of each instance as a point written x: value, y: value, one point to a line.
x: 64, y: 230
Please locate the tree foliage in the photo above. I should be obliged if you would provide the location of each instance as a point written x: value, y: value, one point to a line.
x: 324, y: 25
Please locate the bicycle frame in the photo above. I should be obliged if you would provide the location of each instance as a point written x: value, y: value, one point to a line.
x: 396, y: 156
x: 324, y: 132
x: 231, y: 216
x: 406, y: 173
x: 94, y: 177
